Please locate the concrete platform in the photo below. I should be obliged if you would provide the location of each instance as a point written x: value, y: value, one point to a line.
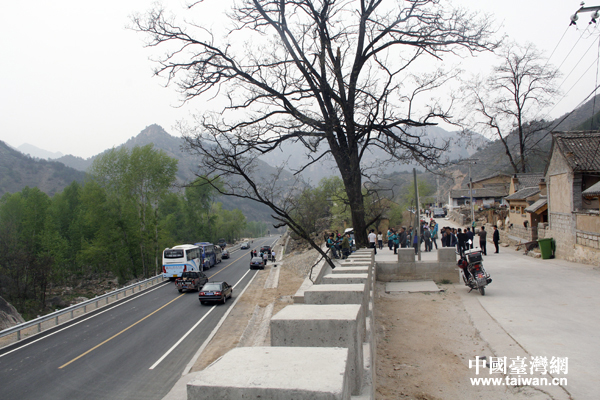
x: 351, y: 270
x: 334, y: 325
x: 412, y: 287
x: 275, y: 373
x: 336, y: 294
x: 337, y: 279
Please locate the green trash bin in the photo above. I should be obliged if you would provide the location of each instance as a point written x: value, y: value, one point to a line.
x: 546, y: 247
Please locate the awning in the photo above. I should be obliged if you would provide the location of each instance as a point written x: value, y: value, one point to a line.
x: 538, y: 207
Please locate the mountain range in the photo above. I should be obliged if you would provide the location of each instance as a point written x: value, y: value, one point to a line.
x: 18, y: 170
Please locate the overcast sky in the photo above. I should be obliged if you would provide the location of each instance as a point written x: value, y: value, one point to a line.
x: 73, y: 78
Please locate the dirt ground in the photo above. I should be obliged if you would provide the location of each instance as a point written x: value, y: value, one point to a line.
x: 424, y: 344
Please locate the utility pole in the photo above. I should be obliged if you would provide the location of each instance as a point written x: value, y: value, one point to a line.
x: 418, y: 216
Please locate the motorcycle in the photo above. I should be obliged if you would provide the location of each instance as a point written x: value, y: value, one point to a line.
x: 472, y: 271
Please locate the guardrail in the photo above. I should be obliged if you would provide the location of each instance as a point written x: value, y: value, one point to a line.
x: 73, y: 310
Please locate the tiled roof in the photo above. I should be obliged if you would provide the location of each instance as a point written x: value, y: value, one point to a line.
x: 523, y: 194
x: 537, y: 205
x: 580, y: 149
x: 478, y: 193
x: 491, y: 176
x: 592, y: 191
x: 528, y: 180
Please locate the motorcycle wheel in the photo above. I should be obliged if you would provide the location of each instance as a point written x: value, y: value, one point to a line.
x: 482, y: 290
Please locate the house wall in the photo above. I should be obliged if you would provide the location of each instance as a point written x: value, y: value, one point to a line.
x: 560, y: 193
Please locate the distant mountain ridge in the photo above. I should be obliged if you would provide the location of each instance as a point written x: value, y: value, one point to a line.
x: 18, y: 170
x: 36, y: 152
x: 187, y: 168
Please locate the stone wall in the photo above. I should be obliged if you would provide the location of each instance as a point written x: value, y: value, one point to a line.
x: 408, y: 269
x: 322, y: 347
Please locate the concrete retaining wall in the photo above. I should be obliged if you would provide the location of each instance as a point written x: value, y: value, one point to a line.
x: 408, y: 269
x: 323, y: 346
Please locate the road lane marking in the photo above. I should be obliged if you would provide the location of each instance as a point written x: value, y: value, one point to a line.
x: 202, y: 319
x: 113, y: 306
x: 124, y: 330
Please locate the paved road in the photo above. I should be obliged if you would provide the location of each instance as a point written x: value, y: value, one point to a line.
x: 538, y: 307
x: 110, y: 355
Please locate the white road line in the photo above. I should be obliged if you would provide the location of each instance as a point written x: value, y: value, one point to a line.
x: 199, y: 322
x: 77, y: 323
x: 214, y: 332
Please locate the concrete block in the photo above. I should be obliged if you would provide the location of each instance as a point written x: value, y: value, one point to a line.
x: 351, y: 270
x: 275, y: 373
x: 337, y: 279
x: 339, y: 294
x: 336, y: 294
x: 446, y: 254
x: 406, y: 255
x: 334, y: 325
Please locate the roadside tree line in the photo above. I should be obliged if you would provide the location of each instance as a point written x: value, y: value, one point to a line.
x: 117, y: 222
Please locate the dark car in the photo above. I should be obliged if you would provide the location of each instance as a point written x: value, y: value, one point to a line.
x: 222, y: 243
x: 257, y: 262
x: 191, y: 280
x: 225, y: 253
x: 215, y: 292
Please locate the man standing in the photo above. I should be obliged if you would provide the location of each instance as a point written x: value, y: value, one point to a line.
x: 427, y: 238
x: 482, y: 240
x: 470, y: 236
x: 496, y: 237
x: 373, y: 240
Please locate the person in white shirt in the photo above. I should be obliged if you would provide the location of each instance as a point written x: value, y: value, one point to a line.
x: 372, y: 240
x: 380, y: 240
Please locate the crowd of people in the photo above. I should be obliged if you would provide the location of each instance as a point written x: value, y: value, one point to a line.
x: 429, y: 234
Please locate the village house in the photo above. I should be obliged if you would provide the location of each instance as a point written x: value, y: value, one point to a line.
x: 527, y: 208
x: 572, y: 177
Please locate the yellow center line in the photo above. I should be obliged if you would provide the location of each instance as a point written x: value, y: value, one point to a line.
x: 114, y: 336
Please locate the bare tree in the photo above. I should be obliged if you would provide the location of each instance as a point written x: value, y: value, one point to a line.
x: 339, y: 76
x: 508, y: 101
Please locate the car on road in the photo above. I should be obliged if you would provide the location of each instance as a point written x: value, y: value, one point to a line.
x: 215, y: 292
x: 245, y: 245
x: 439, y: 213
x: 222, y: 243
x: 257, y: 263
x: 225, y: 253
x: 191, y: 280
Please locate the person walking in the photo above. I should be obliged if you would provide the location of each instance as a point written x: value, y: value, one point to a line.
x: 380, y: 240
x: 496, y: 238
x: 482, y: 240
x: 470, y: 236
x: 389, y: 237
x: 427, y: 238
x: 434, y: 233
x: 372, y: 240
x: 402, y: 238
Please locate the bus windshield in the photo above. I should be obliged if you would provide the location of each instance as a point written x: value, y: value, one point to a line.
x: 176, y: 253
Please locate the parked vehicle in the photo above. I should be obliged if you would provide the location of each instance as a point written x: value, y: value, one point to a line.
x: 267, y: 249
x: 257, y: 263
x: 218, y: 254
x: 191, y: 281
x: 215, y: 292
x: 245, y: 245
x: 472, y: 271
x: 439, y: 213
x: 209, y: 256
x: 180, y: 259
x: 222, y: 243
x: 225, y: 253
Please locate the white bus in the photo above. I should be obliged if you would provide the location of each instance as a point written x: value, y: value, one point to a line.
x: 179, y: 259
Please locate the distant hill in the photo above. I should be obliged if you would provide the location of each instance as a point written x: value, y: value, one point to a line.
x: 18, y: 170
x: 36, y: 152
x: 187, y: 167
x: 293, y: 154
